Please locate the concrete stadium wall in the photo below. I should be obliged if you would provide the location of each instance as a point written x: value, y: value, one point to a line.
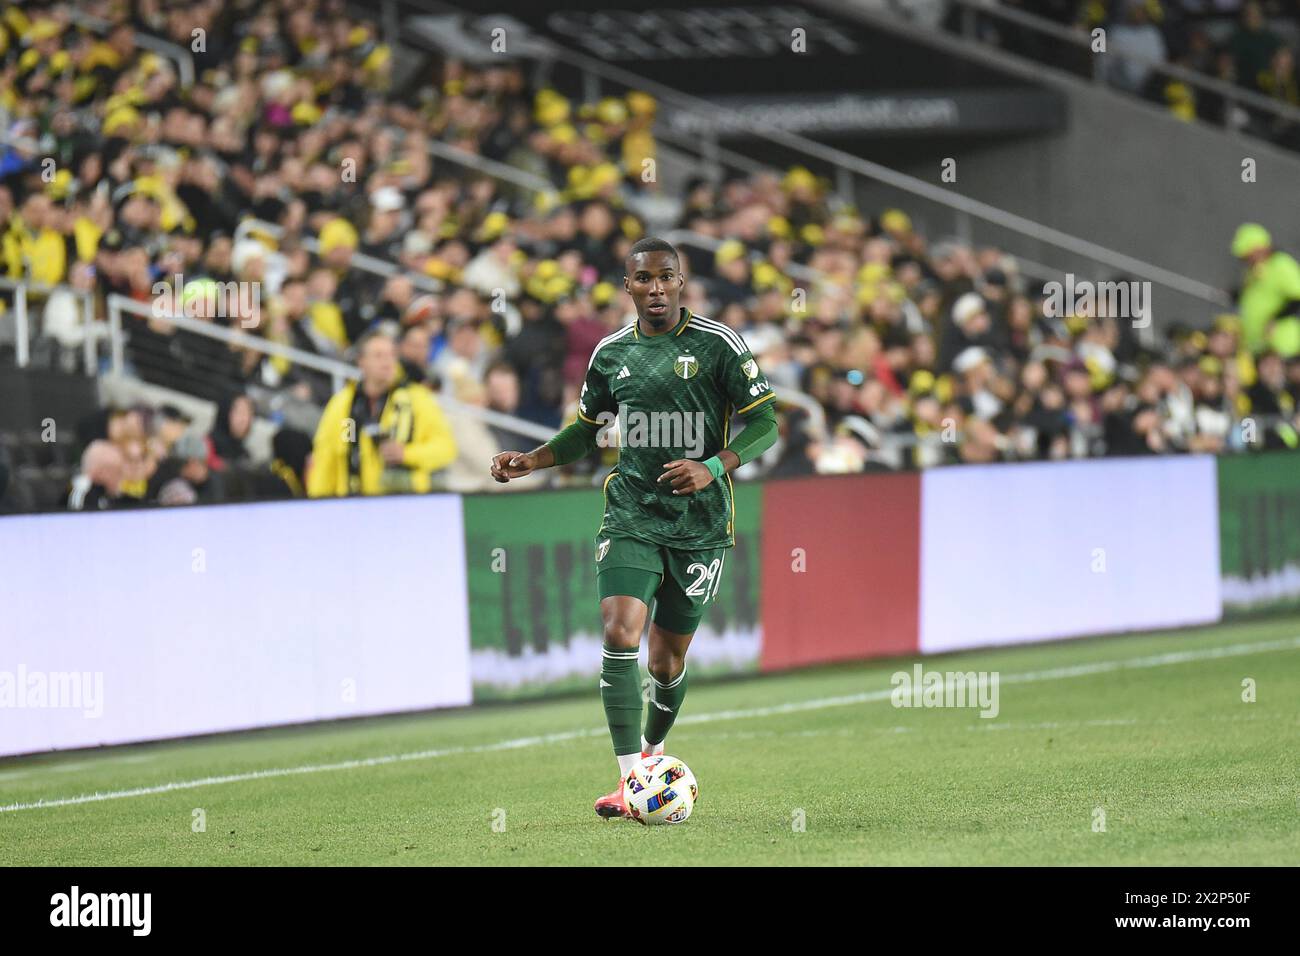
x: 1134, y: 178
x: 1124, y: 173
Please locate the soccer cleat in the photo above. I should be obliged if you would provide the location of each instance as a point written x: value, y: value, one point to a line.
x: 612, y: 804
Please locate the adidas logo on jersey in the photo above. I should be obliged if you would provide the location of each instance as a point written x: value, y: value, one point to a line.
x: 623, y: 373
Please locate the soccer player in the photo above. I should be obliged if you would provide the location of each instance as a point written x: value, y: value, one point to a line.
x: 672, y: 380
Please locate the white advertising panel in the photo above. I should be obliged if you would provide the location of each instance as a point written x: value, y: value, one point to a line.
x: 1028, y: 552
x: 128, y: 626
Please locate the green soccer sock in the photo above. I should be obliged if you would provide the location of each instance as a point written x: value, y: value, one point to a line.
x: 664, y: 705
x: 620, y: 692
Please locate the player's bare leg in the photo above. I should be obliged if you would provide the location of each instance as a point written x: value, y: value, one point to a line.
x: 623, y: 618
x: 668, y: 685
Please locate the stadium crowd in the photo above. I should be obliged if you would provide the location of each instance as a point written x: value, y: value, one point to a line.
x: 1251, y: 44
x: 915, y: 352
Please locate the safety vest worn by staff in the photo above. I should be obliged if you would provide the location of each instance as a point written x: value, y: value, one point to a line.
x: 1270, y: 293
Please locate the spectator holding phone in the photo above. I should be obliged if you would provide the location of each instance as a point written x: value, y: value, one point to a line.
x: 382, y: 435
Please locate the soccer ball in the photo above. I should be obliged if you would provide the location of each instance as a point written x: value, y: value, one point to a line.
x: 660, y: 790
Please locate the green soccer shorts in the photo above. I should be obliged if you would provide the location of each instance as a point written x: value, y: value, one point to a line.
x: 681, y: 583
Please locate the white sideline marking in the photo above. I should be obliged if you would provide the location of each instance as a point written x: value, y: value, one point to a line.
x: 982, y: 726
x: 1055, y: 673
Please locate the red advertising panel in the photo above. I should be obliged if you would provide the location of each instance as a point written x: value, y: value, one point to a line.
x: 841, y: 567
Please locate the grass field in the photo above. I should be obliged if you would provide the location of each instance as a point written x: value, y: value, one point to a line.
x: 1152, y: 729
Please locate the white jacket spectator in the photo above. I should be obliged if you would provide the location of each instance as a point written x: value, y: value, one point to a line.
x: 1132, y: 48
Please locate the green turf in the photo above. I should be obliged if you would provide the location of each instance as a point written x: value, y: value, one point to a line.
x: 1186, y: 772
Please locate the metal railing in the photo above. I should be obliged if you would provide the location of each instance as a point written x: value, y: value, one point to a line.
x: 1039, y: 232
x: 883, y: 447
x: 340, y: 372
x: 687, y: 237
x: 147, y: 41
x: 23, y: 292
x: 366, y: 263
x: 972, y: 10
x: 849, y: 167
x: 490, y: 167
x: 720, y: 156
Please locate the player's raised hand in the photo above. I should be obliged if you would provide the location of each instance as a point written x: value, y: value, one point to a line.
x: 686, y: 476
x: 512, y: 464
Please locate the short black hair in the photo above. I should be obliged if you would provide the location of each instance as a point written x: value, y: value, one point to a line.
x: 653, y: 244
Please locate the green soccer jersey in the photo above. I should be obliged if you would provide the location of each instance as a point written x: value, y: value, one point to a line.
x: 673, y: 396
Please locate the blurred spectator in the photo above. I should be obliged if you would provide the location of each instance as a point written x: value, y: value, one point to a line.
x: 177, y: 491
x: 138, y: 466
x: 381, y: 435
x: 395, y: 300
x: 476, y: 442
x: 98, y: 484
x: 1252, y: 45
x: 1280, y: 83
x: 464, y: 352
x: 382, y: 238
x: 188, y: 464
x: 338, y: 245
x: 502, y: 395
x: 1140, y: 34
x: 1134, y: 43
x: 971, y: 327
x: 285, y: 475
x: 414, y: 353
x: 1269, y: 395
x: 169, y: 425
x: 226, y: 440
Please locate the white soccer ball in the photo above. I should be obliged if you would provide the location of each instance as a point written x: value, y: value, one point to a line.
x: 660, y: 790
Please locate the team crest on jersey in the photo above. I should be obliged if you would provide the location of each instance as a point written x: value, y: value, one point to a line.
x: 686, y: 366
x: 602, y: 548
x: 750, y: 368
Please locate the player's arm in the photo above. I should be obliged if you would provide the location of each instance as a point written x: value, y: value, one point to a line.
x: 573, y: 443
x: 751, y: 393
x: 758, y: 435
